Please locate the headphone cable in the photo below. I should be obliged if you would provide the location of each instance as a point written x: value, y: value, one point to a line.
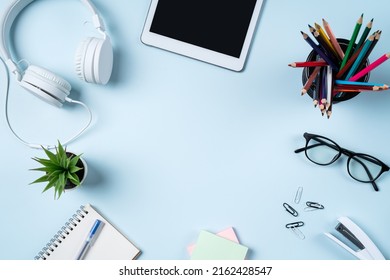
x: 38, y: 146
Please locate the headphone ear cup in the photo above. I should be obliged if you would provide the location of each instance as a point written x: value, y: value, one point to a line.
x: 94, y: 60
x: 46, y: 85
x: 103, y: 61
x: 80, y: 58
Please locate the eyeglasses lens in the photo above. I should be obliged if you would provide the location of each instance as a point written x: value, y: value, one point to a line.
x: 364, y: 168
x: 321, y: 151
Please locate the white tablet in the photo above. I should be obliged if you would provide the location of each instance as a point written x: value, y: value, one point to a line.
x: 214, y: 31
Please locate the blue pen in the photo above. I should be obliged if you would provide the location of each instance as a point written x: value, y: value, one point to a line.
x: 89, y: 240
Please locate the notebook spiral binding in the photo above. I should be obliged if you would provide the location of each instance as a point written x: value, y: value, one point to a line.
x: 62, y: 234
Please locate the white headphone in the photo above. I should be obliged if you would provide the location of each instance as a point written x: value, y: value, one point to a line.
x: 93, y: 63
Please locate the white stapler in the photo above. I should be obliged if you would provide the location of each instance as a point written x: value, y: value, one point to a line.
x: 366, y: 248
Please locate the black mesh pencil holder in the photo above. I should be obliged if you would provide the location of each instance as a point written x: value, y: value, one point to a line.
x: 342, y: 96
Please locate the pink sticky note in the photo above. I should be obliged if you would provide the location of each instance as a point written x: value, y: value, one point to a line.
x: 227, y: 233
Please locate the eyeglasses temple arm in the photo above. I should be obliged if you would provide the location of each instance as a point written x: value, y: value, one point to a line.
x: 312, y: 146
x: 300, y: 150
x: 374, y: 185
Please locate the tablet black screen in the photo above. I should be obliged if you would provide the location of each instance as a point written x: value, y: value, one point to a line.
x: 218, y: 25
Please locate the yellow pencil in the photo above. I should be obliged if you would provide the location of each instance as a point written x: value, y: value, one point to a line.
x: 326, y: 39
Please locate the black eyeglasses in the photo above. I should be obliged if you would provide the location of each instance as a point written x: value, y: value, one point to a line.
x: 361, y: 167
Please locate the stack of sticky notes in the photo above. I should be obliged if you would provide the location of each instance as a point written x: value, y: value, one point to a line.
x: 221, y: 246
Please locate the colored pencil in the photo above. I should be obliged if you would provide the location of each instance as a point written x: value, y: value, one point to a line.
x: 327, y: 50
x: 322, y: 44
x: 358, y: 60
x: 326, y: 39
x: 317, y: 90
x: 357, y: 88
x: 365, y: 58
x: 370, y: 67
x: 308, y: 63
x: 319, y: 51
x: 324, y: 96
x: 329, y: 111
x: 311, y: 79
x: 353, y: 83
x: 365, y: 34
x: 377, y: 37
x: 323, y: 91
x: 346, y: 91
x: 341, y: 90
x: 333, y: 39
x: 311, y: 29
x: 352, y: 41
x: 347, y: 66
x: 329, y: 86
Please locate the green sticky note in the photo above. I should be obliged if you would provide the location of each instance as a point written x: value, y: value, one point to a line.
x: 213, y: 247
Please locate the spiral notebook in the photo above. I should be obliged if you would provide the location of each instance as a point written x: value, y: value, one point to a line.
x: 110, y: 244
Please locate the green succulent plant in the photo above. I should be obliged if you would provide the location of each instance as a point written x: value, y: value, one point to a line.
x: 60, y: 169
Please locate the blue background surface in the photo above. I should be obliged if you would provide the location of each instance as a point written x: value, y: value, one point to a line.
x: 178, y: 145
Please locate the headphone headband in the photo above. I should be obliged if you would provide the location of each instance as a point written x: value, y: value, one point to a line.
x: 9, y: 17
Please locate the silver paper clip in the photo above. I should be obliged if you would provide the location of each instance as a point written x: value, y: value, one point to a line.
x: 298, y: 233
x: 311, y: 206
x: 290, y: 210
x: 298, y: 195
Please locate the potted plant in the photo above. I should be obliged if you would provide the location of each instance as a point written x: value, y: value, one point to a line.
x: 63, y: 170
